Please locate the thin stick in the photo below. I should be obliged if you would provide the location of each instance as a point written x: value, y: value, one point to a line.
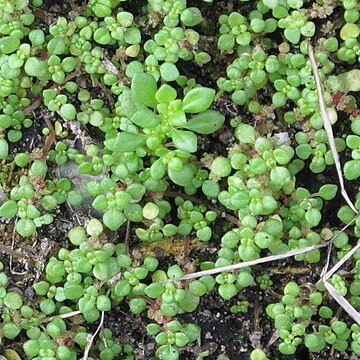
x: 28, y: 110
x: 325, y: 275
x: 127, y: 237
x: 256, y: 315
x: 8, y: 250
x: 252, y: 262
x: 267, y: 258
x: 328, y: 128
x: 63, y: 316
x: 92, y: 337
x: 343, y: 302
x: 329, y: 273
x: 49, y: 140
x: 325, y: 268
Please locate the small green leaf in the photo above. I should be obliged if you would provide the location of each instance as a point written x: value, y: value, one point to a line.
x: 157, y: 170
x: 303, y: 151
x: 190, y: 302
x: 283, y: 154
x: 185, y: 140
x: 349, y: 30
x: 165, y: 94
x: 198, y: 100
x: 308, y: 29
x: 347, y: 81
x: 73, y: 291
x: 245, y: 133
x: 167, y: 352
x: 182, y: 177
x: 191, y: 16
x: 313, y: 217
x: 154, y: 290
x: 293, y: 35
x: 352, y: 169
x: 353, y: 141
x: 127, y: 142
x: 271, y: 4
x: 102, y: 36
x: 128, y: 105
x: 205, y: 123
x: 227, y: 291
x: 150, y: 211
x: 100, y: 202
x: 101, y: 271
x: 10, y: 331
x: 328, y: 191
x: 122, y: 288
x: 177, y: 118
x: 57, y: 46
x: 13, y: 300
x: 143, y: 87
x: 169, y: 71
x: 314, y: 342
x: 133, y: 35
x: 101, y: 8
x: 4, y: 149
x: 9, y: 44
x: 37, y: 68
x: 113, y: 219
x: 25, y: 227
x: 226, y: 42
x: 279, y: 176
x: 145, y: 118
x: 137, y: 305
x: 68, y: 111
x: 192, y: 331
x: 103, y: 303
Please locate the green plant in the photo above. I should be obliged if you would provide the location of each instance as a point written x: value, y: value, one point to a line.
x: 172, y: 336
x: 160, y: 125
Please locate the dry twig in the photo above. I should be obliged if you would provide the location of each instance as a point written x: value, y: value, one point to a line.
x: 92, y: 337
x: 267, y: 258
x: 63, y: 316
x: 8, y: 250
x: 49, y: 140
x: 327, y: 125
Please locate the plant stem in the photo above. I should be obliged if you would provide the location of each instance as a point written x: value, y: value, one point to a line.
x: 8, y: 250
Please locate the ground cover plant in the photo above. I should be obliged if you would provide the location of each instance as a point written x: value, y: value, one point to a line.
x: 179, y: 179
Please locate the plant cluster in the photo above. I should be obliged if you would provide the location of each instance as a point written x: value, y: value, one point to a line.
x: 293, y: 315
x: 148, y: 136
